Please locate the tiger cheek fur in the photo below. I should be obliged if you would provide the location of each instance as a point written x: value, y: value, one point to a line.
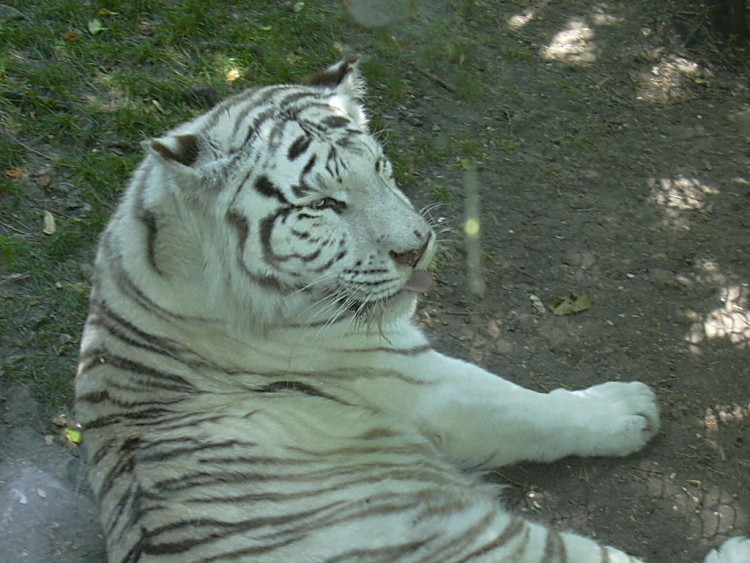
x: 251, y: 386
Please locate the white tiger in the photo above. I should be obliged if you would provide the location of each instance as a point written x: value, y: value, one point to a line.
x: 251, y: 386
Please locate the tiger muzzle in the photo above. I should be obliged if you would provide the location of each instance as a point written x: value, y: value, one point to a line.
x: 410, y: 258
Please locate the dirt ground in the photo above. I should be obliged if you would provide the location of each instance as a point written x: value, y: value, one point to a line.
x: 616, y: 165
x: 611, y: 163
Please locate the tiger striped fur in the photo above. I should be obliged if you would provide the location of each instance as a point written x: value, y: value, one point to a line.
x: 251, y: 386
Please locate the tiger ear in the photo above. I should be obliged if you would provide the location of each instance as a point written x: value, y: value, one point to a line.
x: 348, y: 87
x: 180, y: 149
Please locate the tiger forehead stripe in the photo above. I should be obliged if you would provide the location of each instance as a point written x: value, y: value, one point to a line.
x: 265, y: 187
x: 258, y: 111
x: 299, y: 146
x: 336, y: 121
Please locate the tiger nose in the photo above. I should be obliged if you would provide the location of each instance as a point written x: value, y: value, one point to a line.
x: 410, y: 258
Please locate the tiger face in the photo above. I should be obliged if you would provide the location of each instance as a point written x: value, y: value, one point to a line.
x: 299, y: 201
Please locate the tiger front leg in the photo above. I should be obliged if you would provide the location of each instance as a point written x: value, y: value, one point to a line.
x: 479, y: 419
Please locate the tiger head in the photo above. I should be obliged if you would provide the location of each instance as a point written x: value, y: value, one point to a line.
x: 293, y: 206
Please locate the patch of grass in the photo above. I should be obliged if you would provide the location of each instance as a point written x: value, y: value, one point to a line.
x: 442, y: 193
x: 382, y: 78
x: 74, y: 108
x: 516, y: 53
x: 453, y: 56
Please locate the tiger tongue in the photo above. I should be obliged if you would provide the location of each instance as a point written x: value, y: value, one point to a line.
x: 419, y: 282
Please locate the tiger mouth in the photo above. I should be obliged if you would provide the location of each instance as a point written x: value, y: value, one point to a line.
x: 419, y: 282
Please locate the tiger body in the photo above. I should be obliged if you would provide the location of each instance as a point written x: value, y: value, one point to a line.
x: 251, y: 386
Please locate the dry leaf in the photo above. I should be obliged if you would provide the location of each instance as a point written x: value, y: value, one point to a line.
x: 95, y: 26
x: 537, y: 305
x: 14, y: 173
x: 72, y: 435
x: 50, y: 227
x: 71, y: 36
x: 574, y: 303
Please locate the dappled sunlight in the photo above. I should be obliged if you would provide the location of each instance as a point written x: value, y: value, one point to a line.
x: 110, y: 96
x: 678, y: 198
x: 602, y: 17
x: 232, y: 75
x: 707, y: 513
x: 722, y: 415
x: 670, y: 78
x: 711, y: 513
x: 730, y: 321
x: 229, y: 68
x: 574, y: 44
x: 517, y: 21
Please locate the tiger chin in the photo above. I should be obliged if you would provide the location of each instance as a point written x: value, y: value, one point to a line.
x: 236, y: 402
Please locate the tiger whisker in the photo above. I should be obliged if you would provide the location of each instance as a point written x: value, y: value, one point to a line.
x: 313, y: 283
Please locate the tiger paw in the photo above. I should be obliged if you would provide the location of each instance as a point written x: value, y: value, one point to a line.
x: 618, y: 418
x: 734, y: 550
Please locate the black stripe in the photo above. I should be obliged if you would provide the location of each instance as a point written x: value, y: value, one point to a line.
x: 139, y: 339
x: 156, y: 379
x: 513, y: 529
x: 314, y: 256
x: 127, y: 286
x: 301, y: 190
x: 152, y: 231
x: 274, y: 496
x: 265, y: 187
x: 242, y: 226
x: 298, y: 146
x: 296, y: 96
x: 309, y: 165
x: 219, y: 529
x: 333, y: 162
x: 305, y: 235
x: 125, y: 465
x: 97, y: 397
x: 332, y: 261
x: 299, y: 387
x: 336, y: 121
x: 159, y: 342
x: 125, y: 504
x: 417, y: 350
x: 554, y: 547
x: 266, y: 227
x: 261, y: 96
x: 240, y: 554
x: 188, y: 446
x: 144, y: 417
x: 385, y: 553
x: 257, y: 121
